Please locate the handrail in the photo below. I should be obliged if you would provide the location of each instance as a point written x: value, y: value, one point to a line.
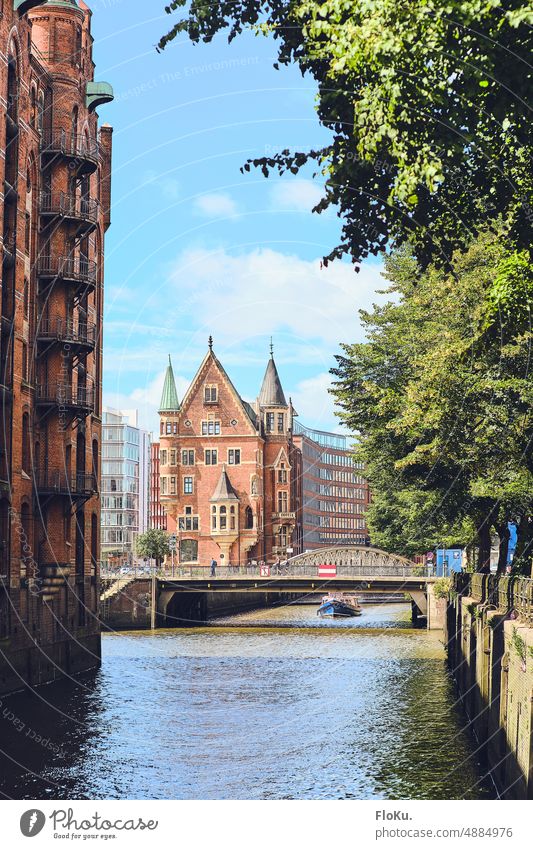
x: 69, y: 267
x: 67, y: 331
x: 506, y: 592
x: 73, y: 206
x: 61, y: 481
x: 64, y: 395
x: 58, y: 140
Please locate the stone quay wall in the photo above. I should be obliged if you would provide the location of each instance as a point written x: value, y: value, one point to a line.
x: 489, y: 632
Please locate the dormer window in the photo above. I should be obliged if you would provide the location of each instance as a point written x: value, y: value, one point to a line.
x: 282, y: 474
x: 210, y: 394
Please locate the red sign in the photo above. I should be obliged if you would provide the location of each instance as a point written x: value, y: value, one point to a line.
x: 327, y: 570
x: 264, y: 571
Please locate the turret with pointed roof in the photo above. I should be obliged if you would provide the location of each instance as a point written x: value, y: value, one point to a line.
x: 224, y: 490
x: 271, y: 394
x: 169, y: 397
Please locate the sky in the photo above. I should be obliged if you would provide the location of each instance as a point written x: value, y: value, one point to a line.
x: 197, y: 248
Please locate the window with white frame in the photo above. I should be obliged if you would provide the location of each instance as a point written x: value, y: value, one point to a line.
x: 234, y: 456
x: 187, y: 457
x: 188, y: 485
x: 210, y: 457
x: 210, y: 428
x: 210, y: 393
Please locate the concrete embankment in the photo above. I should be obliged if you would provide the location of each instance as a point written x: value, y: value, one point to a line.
x: 129, y: 608
x: 489, y: 631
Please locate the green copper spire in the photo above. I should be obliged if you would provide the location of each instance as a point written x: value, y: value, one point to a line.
x: 169, y: 398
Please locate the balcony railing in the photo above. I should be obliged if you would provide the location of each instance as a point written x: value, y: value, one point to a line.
x: 82, y: 334
x: 284, y: 516
x: 61, y: 482
x: 69, y: 206
x: 504, y: 592
x: 76, y: 269
x: 59, y: 141
x: 64, y: 396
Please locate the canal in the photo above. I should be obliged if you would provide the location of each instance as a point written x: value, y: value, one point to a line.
x: 269, y: 704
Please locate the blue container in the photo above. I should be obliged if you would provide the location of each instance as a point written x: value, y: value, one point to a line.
x: 449, y: 560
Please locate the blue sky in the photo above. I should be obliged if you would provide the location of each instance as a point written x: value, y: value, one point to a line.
x: 197, y: 248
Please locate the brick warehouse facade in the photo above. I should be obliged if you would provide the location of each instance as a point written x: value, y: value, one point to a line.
x: 55, y: 211
x: 237, y: 479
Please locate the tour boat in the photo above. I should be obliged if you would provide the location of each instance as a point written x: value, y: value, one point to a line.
x: 339, y: 604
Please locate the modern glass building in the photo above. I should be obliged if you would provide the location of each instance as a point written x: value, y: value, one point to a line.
x: 334, y: 494
x: 125, y: 483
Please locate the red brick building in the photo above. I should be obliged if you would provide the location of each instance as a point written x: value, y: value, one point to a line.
x: 55, y: 211
x: 232, y: 474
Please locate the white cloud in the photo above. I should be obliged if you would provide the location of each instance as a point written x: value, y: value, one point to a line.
x: 216, y: 205
x: 146, y: 400
x: 313, y: 402
x: 298, y: 195
x: 266, y: 292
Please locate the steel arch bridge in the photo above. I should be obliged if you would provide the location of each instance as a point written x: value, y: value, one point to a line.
x: 371, y: 561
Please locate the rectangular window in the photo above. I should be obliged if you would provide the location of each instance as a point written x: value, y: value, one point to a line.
x: 187, y: 485
x: 163, y: 486
x: 173, y: 485
x: 187, y: 457
x: 282, y: 476
x: 169, y: 427
x: 269, y: 420
x: 210, y: 457
x: 163, y: 457
x: 172, y: 456
x: 282, y: 502
x: 210, y: 394
x: 281, y: 422
x: 27, y: 233
x: 234, y: 456
x: 210, y: 428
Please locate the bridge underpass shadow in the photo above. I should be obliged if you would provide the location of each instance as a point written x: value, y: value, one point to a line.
x: 184, y: 610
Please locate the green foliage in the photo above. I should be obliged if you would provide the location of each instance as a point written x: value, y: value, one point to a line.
x: 442, y: 587
x: 428, y: 105
x: 440, y: 396
x: 154, y: 544
x: 519, y: 645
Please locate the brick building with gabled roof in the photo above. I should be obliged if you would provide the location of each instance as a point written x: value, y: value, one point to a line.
x: 231, y: 474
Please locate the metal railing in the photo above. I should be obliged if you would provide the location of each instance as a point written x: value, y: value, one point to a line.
x: 67, y: 268
x: 288, y: 571
x: 63, y: 395
x: 67, y: 331
x: 503, y: 592
x: 71, y: 206
x: 65, y: 483
x: 58, y: 140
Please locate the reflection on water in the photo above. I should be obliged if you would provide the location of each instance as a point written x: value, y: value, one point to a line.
x: 268, y: 704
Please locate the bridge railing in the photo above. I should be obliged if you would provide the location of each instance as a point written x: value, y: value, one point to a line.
x: 501, y: 591
x: 294, y: 571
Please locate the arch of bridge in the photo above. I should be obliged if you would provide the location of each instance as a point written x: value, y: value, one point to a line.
x: 351, y: 555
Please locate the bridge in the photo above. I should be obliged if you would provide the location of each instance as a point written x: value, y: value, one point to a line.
x: 355, y: 569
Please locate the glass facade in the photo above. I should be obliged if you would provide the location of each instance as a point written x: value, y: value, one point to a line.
x: 125, y: 466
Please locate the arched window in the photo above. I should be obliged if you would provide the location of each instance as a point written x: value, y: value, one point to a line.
x: 33, y: 107
x: 26, y: 553
x: 96, y: 466
x: 188, y: 550
x: 248, y: 518
x: 12, y: 88
x: 40, y: 113
x: 94, y: 543
x: 26, y: 460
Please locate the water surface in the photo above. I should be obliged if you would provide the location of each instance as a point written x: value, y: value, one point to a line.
x: 269, y: 704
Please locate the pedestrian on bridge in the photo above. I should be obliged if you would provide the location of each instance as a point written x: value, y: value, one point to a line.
x: 213, y: 572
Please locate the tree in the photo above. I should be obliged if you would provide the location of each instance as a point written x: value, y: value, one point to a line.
x: 428, y: 104
x: 154, y: 543
x: 441, y: 396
